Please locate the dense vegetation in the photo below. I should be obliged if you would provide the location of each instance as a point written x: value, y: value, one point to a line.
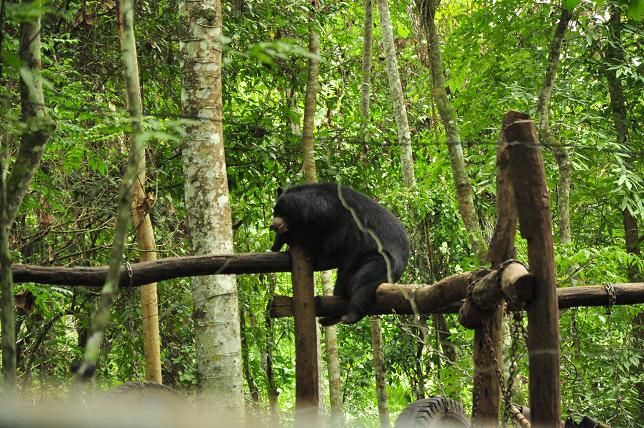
x: 495, y: 56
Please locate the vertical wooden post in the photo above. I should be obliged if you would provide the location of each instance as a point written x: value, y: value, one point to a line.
x: 486, y: 386
x: 306, y: 352
x: 531, y: 192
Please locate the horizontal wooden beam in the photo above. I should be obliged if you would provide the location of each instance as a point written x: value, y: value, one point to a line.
x: 392, y: 299
x: 441, y: 297
x: 596, y: 295
x: 137, y: 274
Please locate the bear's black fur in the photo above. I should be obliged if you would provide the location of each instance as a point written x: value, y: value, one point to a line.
x: 317, y: 219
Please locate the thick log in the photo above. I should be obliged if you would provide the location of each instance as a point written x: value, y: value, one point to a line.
x: 485, y: 296
x: 146, y: 272
x: 306, y: 347
x: 325, y: 306
x: 516, y: 285
x: 441, y: 297
x: 587, y: 296
x: 398, y: 298
x: 531, y: 192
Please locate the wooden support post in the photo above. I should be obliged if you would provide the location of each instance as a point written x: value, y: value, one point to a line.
x: 531, y: 192
x: 306, y: 351
x: 487, y: 391
x: 486, y: 362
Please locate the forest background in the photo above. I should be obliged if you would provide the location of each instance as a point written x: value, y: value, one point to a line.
x: 495, y: 57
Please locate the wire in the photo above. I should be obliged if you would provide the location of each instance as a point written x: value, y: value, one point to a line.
x: 340, y: 135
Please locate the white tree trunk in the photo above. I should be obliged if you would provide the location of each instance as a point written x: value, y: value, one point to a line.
x: 400, y: 111
x: 333, y: 360
x: 376, y: 333
x: 216, y: 313
x: 464, y: 193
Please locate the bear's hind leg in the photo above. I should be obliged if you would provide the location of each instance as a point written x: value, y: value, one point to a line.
x: 341, y: 289
x: 363, y: 285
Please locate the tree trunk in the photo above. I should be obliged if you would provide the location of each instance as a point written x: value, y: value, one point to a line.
x: 148, y: 294
x: 14, y: 186
x: 376, y: 332
x: 367, y: 47
x: 310, y: 176
x: 139, y: 207
x: 333, y: 360
x: 379, y: 368
x: 547, y: 139
x: 427, y: 10
x: 9, y: 359
x: 271, y: 387
x: 308, y: 152
x: 110, y: 289
x: 615, y: 56
x: 395, y: 89
x: 216, y: 311
x: 250, y: 379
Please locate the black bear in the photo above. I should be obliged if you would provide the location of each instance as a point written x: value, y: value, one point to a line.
x: 339, y: 227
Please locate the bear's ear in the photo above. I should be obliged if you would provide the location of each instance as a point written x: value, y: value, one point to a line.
x: 279, y: 192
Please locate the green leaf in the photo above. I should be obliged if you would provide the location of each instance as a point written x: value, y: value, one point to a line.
x: 11, y: 59
x: 570, y: 4
x: 635, y: 10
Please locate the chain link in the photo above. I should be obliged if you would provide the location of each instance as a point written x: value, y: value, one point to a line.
x: 612, y: 297
x: 130, y: 274
x: 517, y: 332
x: 499, y: 376
x: 503, y: 265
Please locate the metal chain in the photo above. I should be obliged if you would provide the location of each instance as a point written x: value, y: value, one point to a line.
x: 507, y: 415
x: 130, y: 274
x: 504, y: 264
x: 517, y: 330
x: 612, y: 297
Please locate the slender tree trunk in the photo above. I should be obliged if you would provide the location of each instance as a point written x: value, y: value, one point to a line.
x: 139, y: 207
x: 250, y: 379
x: 379, y: 368
x: 2, y: 10
x: 367, y: 47
x: 438, y: 320
x: 110, y: 289
x: 333, y: 360
x: 310, y: 176
x: 216, y: 311
x: 308, y: 152
x: 427, y: 10
x: 548, y: 140
x: 395, y: 88
x: 8, y: 307
x: 273, y: 393
x: 376, y: 332
x: 615, y: 56
x: 14, y: 186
